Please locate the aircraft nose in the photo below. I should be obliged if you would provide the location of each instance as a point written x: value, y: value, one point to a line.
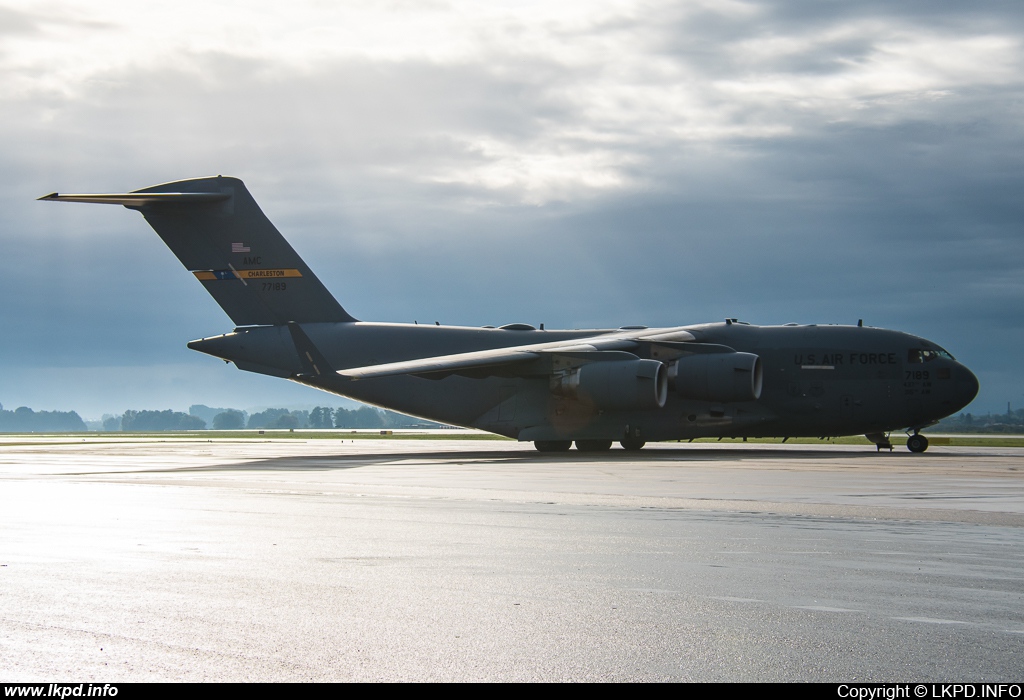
x: 966, y: 386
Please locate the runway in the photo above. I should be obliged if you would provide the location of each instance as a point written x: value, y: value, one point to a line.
x: 245, y: 560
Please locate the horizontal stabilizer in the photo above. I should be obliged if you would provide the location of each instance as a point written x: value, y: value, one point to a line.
x: 140, y: 199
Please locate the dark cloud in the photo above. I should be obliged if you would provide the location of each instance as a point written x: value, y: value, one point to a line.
x: 780, y: 15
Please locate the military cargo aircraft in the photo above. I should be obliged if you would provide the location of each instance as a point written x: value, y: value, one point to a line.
x: 553, y: 387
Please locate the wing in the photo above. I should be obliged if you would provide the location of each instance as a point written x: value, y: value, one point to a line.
x: 603, y: 347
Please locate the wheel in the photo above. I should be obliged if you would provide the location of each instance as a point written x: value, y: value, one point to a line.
x: 593, y: 445
x: 552, y: 445
x: 632, y: 444
x: 917, y: 443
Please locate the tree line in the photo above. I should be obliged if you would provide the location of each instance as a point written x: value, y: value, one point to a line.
x: 202, y: 417
x: 24, y: 420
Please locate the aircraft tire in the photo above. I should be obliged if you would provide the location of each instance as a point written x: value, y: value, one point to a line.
x: 917, y: 443
x: 553, y: 445
x: 632, y: 445
x: 593, y: 445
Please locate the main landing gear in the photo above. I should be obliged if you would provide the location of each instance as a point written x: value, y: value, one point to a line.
x: 553, y: 445
x: 631, y: 444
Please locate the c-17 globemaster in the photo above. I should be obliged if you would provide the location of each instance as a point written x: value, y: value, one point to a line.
x: 553, y: 387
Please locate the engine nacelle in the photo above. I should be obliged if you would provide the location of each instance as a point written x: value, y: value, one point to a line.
x: 724, y: 376
x: 618, y: 385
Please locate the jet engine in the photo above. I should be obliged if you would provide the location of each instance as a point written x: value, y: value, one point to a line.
x: 616, y: 385
x: 725, y: 377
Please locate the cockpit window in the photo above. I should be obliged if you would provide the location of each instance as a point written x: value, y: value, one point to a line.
x: 919, y: 355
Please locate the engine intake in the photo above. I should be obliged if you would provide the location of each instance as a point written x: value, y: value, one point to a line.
x: 618, y: 385
x: 725, y: 377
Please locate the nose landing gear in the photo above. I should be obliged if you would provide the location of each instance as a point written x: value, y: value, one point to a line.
x: 917, y: 442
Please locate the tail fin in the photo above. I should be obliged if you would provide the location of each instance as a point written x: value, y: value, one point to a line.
x: 220, y: 234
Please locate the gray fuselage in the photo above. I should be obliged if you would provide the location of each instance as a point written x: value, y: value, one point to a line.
x: 817, y: 381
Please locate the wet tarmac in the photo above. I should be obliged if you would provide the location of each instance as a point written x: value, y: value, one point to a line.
x: 140, y: 559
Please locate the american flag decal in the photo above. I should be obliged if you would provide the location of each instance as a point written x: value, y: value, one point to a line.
x: 240, y: 248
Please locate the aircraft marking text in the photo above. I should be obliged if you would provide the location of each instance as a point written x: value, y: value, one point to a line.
x: 205, y: 275
x: 815, y: 361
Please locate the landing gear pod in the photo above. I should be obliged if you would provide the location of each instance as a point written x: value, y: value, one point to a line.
x: 625, y: 385
x: 724, y: 377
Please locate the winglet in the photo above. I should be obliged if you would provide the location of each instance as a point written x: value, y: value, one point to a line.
x: 314, y: 364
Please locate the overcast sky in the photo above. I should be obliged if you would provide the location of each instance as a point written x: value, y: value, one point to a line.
x: 589, y: 164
